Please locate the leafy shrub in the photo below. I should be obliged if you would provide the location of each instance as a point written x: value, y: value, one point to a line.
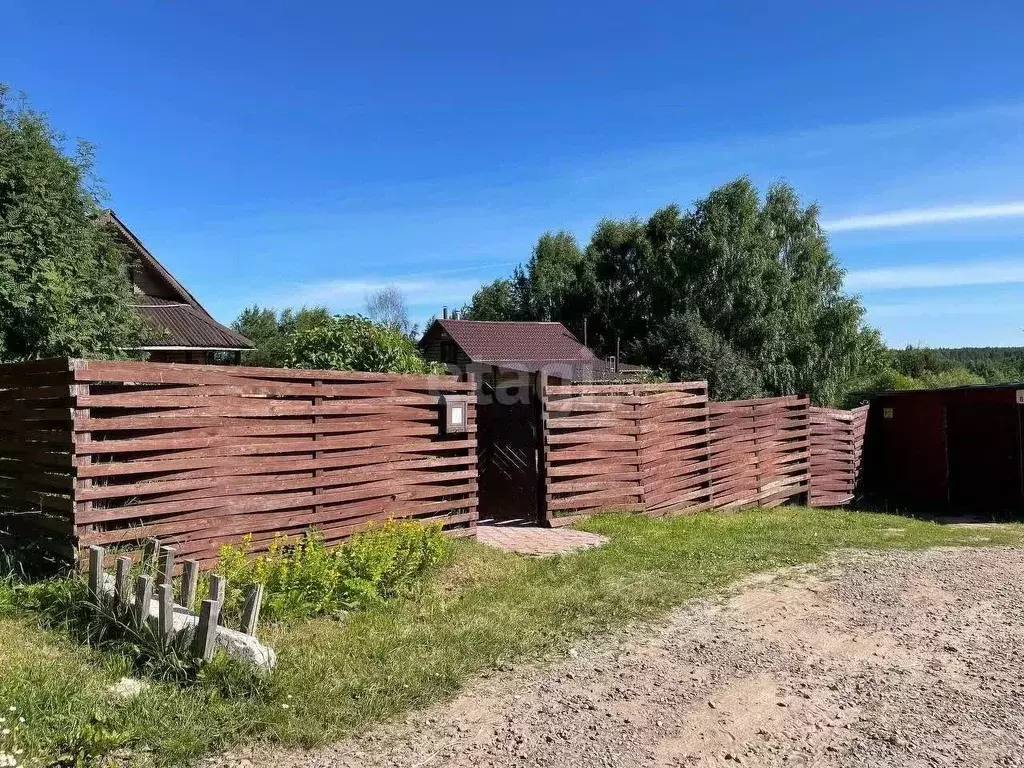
x: 303, y: 577
x: 355, y: 343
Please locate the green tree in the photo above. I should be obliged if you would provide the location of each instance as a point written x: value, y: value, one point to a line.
x: 270, y: 332
x: 64, y: 287
x: 740, y: 290
x: 494, y: 301
x: 356, y: 343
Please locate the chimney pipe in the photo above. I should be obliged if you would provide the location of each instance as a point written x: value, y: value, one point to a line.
x: 617, y: 354
x: 444, y: 313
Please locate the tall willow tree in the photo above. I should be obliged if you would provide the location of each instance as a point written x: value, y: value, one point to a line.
x: 64, y: 287
x: 740, y: 290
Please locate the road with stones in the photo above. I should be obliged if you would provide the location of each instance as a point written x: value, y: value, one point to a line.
x: 874, y: 659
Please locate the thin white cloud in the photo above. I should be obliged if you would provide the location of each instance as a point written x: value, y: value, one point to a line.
x: 912, y: 217
x: 936, y: 275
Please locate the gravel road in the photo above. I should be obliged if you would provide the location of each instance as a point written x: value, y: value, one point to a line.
x: 875, y: 659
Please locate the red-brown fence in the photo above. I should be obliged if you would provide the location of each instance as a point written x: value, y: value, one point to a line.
x: 110, y: 453
x: 202, y: 455
x: 662, y: 449
x: 36, y: 456
x: 760, y: 451
x: 639, y: 447
x: 837, y: 444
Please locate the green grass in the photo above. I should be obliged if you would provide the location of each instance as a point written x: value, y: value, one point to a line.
x: 486, y: 610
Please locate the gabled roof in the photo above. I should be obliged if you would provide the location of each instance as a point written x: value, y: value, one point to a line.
x: 182, y: 326
x: 179, y: 320
x: 497, y: 342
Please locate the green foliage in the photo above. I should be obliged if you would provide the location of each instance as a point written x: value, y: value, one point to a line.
x: 355, y: 343
x: 740, y: 290
x: 64, y: 287
x: 489, y: 608
x: 494, y: 301
x: 92, y: 744
x: 65, y: 604
x: 306, y: 578
x: 270, y: 332
x: 933, y: 368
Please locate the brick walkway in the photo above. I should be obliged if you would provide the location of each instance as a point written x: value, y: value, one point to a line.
x: 531, y: 540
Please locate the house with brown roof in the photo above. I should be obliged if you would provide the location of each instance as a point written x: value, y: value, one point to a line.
x: 183, y: 331
x: 511, y: 351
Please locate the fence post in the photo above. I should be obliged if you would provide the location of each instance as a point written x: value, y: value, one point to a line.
x: 541, y: 391
x: 707, y: 449
x: 251, y: 611
x: 639, y: 439
x: 96, y: 571
x: 150, y: 555
x: 189, y: 583
x: 165, y: 565
x: 165, y: 597
x: 143, y: 595
x: 121, y: 576
x: 317, y: 437
x: 79, y: 440
x: 206, y: 630
x: 218, y: 592
x: 474, y: 452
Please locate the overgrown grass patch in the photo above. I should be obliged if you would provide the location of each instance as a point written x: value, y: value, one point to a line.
x: 484, y: 610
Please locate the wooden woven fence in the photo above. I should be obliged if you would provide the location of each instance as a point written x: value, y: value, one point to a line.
x: 36, y: 456
x: 663, y: 449
x: 760, y: 451
x: 200, y: 456
x: 837, y: 445
x: 638, y: 447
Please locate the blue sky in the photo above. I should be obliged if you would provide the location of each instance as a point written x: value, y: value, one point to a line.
x: 289, y: 153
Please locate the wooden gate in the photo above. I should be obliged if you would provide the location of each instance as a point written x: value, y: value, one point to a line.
x: 509, y: 480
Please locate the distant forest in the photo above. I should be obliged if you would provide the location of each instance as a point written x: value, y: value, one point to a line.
x: 933, y: 367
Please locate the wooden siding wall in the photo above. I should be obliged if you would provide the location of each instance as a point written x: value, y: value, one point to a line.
x: 36, y: 477
x: 837, y: 447
x: 200, y: 456
x: 663, y: 449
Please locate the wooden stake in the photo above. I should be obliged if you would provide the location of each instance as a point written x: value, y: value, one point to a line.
x: 121, y: 577
x: 165, y: 596
x: 165, y: 565
x: 150, y: 552
x: 218, y: 591
x: 189, y: 584
x: 206, y: 630
x: 96, y: 571
x: 143, y: 594
x: 251, y: 611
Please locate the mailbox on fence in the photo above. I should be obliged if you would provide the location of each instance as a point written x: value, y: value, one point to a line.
x: 454, y: 414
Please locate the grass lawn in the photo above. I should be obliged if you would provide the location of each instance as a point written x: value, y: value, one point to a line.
x: 487, y: 609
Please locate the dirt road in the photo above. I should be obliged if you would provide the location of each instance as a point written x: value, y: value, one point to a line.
x: 894, y: 659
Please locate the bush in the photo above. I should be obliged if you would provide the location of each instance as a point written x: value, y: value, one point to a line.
x: 304, y: 577
x: 355, y: 343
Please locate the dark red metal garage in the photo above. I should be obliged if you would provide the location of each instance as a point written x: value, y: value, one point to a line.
x: 947, y: 450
